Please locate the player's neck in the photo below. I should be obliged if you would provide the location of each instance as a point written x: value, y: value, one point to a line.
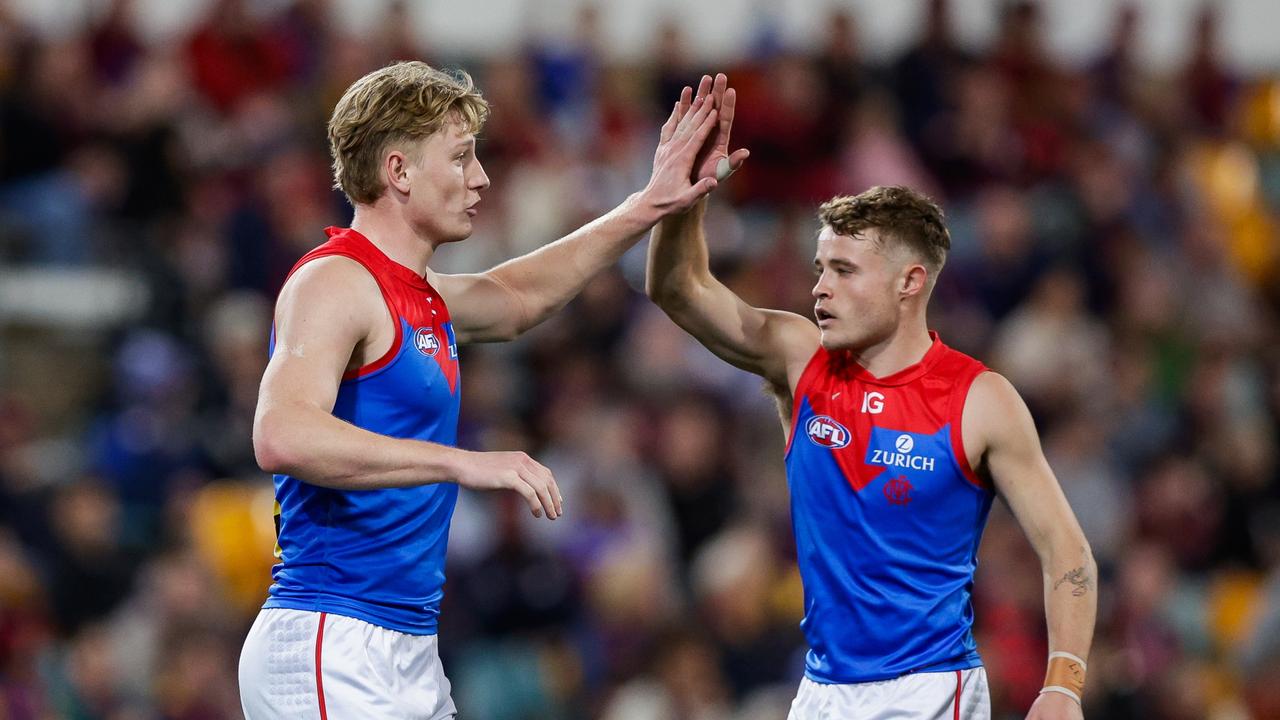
x: 904, y: 348
x: 386, y: 228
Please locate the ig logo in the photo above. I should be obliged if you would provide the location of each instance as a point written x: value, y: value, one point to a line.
x: 872, y: 402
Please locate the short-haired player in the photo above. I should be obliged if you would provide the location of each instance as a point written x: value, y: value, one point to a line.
x: 897, y: 446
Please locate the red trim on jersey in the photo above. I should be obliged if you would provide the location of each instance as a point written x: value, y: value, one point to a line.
x: 957, y: 705
x: 391, y: 352
x: 957, y: 434
x: 324, y: 713
x: 330, y: 251
x: 390, y: 266
x: 906, y: 374
x: 402, y: 289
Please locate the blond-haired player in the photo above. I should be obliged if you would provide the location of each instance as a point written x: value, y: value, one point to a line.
x: 358, y: 410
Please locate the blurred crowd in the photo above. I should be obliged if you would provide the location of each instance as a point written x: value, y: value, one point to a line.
x: 1115, y: 243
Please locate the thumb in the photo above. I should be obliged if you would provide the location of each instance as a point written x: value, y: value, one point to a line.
x: 729, y: 165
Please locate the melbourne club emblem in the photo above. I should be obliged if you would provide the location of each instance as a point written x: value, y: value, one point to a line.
x: 898, y: 490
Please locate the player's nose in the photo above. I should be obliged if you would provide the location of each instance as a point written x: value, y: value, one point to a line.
x: 820, y: 289
x: 479, y: 179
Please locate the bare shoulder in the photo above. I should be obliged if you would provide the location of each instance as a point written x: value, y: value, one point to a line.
x: 992, y: 392
x: 335, y: 291
x: 795, y: 340
x: 332, y: 276
x: 995, y: 415
x: 797, y: 331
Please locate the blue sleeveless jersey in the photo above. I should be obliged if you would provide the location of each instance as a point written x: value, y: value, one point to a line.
x: 378, y: 555
x: 887, y: 516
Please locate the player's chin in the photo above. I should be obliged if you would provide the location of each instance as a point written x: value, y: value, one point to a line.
x: 832, y: 340
x: 460, y: 233
x: 837, y: 338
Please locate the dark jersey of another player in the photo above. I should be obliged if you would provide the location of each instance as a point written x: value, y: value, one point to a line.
x: 887, y: 516
x: 378, y: 555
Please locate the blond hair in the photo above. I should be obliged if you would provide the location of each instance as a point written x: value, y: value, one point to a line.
x: 399, y: 103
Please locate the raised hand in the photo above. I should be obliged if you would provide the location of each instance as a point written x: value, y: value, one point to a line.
x: 513, y: 471
x: 672, y: 187
x: 715, y: 160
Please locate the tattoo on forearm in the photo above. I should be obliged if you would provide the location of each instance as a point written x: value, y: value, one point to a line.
x: 1079, y: 579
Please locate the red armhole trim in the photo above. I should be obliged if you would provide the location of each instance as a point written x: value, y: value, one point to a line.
x: 391, y: 352
x: 386, y: 298
x: 795, y: 397
x: 957, y: 703
x: 957, y: 432
x: 324, y: 713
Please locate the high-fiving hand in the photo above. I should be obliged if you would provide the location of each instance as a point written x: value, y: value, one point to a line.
x: 690, y: 162
x: 672, y: 188
x: 715, y: 160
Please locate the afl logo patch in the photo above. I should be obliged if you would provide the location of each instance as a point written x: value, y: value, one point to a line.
x: 825, y: 432
x: 425, y: 341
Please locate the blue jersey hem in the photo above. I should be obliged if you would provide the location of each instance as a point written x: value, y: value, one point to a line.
x: 966, y: 663
x: 337, y: 607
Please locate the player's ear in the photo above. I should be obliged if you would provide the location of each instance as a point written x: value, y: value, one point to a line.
x: 395, y: 170
x: 914, y: 280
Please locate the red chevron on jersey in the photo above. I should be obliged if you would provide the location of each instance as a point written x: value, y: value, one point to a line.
x: 852, y: 408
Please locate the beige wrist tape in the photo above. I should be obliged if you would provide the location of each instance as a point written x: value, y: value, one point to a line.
x: 1065, y: 675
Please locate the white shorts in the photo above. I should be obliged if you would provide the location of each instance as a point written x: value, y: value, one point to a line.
x: 300, y: 665
x: 953, y: 695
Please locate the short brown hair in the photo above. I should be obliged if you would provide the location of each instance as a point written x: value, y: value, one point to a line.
x: 901, y: 214
x: 400, y: 102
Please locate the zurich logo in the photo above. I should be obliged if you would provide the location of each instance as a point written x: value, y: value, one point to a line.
x: 425, y: 341
x: 905, y: 444
x: 825, y: 432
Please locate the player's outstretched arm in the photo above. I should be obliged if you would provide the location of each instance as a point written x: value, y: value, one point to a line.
x: 997, y: 419
x: 520, y: 293
x: 771, y: 343
x: 328, y: 309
